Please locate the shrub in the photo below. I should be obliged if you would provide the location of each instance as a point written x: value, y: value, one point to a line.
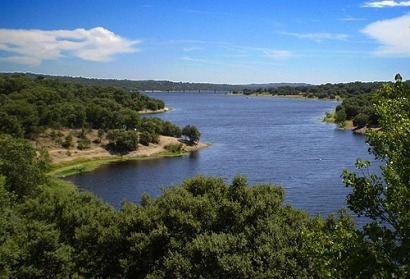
x: 68, y: 142
x: 361, y: 120
x: 83, y: 144
x: 145, y: 138
x: 174, y: 147
x: 122, y: 141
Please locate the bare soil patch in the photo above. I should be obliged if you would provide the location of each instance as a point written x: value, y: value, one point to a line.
x: 52, y: 141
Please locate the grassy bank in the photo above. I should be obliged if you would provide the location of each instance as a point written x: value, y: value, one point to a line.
x: 81, y: 165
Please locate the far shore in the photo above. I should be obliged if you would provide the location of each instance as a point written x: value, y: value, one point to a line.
x: 297, y: 96
x: 267, y: 95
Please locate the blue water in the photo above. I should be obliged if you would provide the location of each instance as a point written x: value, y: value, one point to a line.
x: 269, y: 140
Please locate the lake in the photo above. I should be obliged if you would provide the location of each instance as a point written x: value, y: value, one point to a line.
x: 281, y: 141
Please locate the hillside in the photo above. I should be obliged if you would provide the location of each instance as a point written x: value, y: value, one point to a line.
x: 163, y: 85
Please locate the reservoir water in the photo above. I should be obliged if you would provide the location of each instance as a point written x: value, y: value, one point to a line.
x: 280, y: 141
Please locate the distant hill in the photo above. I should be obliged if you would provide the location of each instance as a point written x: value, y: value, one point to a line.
x: 164, y: 85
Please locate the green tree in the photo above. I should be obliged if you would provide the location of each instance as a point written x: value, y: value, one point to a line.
x: 340, y: 116
x: 22, y: 166
x: 205, y: 228
x: 191, y: 133
x: 361, y: 120
x: 122, y: 141
x: 145, y: 138
x: 171, y: 130
x: 385, y: 199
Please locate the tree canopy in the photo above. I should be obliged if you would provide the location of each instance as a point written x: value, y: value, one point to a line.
x: 385, y: 199
x: 191, y: 133
x: 29, y: 106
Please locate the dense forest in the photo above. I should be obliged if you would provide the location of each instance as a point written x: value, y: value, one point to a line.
x: 323, y: 91
x: 45, y: 106
x: 203, y: 228
x: 161, y: 85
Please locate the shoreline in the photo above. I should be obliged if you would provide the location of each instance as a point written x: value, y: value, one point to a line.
x: 299, y: 96
x: 69, y: 162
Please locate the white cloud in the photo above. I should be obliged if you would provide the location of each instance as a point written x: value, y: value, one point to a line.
x: 386, y: 3
x: 278, y: 54
x: 32, y: 47
x: 318, y: 37
x: 348, y: 18
x: 392, y: 34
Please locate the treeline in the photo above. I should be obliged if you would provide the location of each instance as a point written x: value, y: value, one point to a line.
x: 324, y: 91
x: 160, y: 85
x: 357, y: 105
x: 30, y: 107
x: 360, y: 107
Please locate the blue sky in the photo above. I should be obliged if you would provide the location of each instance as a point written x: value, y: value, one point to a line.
x: 217, y: 41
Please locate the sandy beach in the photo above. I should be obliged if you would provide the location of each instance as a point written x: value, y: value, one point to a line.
x: 97, y: 151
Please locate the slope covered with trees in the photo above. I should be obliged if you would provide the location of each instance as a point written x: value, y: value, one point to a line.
x: 323, y: 91
x: 162, y: 85
x: 29, y: 106
x: 44, y: 106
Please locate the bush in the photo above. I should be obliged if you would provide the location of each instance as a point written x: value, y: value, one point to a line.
x: 145, y: 138
x: 191, y: 133
x: 68, y: 142
x: 83, y: 144
x: 361, y: 120
x: 122, y: 141
x: 174, y: 147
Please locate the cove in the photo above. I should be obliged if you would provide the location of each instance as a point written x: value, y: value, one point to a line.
x: 280, y: 141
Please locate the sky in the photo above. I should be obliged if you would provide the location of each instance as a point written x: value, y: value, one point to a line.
x: 214, y: 41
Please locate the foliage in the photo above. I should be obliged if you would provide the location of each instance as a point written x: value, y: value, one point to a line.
x: 28, y: 106
x: 361, y: 120
x: 23, y: 167
x: 174, y: 148
x: 151, y: 127
x: 202, y: 228
x: 191, y: 133
x: 122, y: 141
x: 385, y: 200
x: 323, y: 91
x: 153, y: 85
x: 83, y: 144
x: 68, y: 142
x: 207, y: 229
x: 360, y: 109
x: 334, y: 248
x: 145, y: 138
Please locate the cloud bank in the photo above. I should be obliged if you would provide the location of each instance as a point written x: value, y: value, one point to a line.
x: 393, y: 36
x: 32, y: 47
x: 386, y: 4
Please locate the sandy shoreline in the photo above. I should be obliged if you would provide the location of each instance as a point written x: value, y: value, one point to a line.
x: 61, y: 155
